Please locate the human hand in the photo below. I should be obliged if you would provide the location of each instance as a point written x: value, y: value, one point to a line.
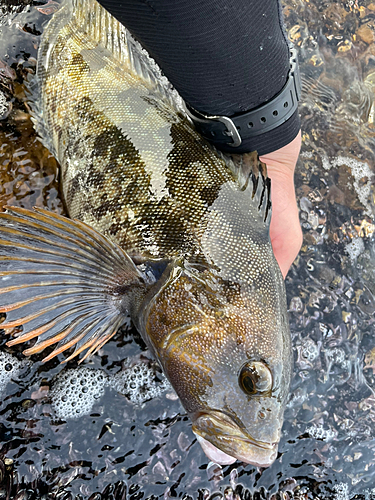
x: 285, y: 229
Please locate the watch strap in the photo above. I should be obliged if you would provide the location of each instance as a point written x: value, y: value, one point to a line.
x: 232, y: 130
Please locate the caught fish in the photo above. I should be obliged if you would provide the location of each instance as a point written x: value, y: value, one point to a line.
x: 162, y: 228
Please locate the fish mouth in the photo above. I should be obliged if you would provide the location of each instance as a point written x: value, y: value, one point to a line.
x: 224, y: 441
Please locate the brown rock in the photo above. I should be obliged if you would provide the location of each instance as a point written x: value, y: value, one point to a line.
x: 366, y: 34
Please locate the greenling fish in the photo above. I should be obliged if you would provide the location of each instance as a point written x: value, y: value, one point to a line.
x: 162, y: 229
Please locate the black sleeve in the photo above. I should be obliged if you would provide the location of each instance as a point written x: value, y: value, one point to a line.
x: 223, y: 56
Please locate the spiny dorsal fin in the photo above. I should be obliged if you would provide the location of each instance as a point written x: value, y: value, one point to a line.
x: 33, y: 97
x: 89, y: 18
x: 62, y: 281
x: 103, y: 28
x: 251, y: 175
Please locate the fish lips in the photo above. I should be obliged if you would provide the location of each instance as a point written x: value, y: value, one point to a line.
x: 224, y: 442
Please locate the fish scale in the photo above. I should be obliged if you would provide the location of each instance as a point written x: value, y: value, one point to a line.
x: 163, y: 228
x: 129, y: 137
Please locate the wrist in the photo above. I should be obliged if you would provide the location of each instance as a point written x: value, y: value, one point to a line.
x: 282, y: 162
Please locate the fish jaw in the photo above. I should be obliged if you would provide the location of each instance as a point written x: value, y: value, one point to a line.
x: 213, y: 453
x: 224, y: 442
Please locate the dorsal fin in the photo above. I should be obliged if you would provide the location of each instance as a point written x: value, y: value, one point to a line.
x: 251, y: 174
x: 90, y: 18
x: 33, y: 97
x: 103, y: 28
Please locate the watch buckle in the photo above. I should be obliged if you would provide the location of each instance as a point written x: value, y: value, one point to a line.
x: 231, y: 129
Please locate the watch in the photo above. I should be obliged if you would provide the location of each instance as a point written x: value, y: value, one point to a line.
x: 231, y: 131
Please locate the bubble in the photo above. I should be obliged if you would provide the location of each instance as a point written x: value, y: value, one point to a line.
x: 310, y: 350
x: 318, y: 432
x: 369, y: 494
x: 3, y: 104
x: 355, y: 248
x: 336, y: 356
x: 138, y: 383
x: 9, y: 368
x: 361, y: 172
x: 341, y: 491
x: 76, y: 390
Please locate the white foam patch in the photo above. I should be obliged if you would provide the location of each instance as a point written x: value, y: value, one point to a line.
x: 318, y: 432
x: 9, y: 369
x: 76, y: 390
x: 310, y: 350
x: 3, y: 104
x: 355, y: 248
x: 341, y: 491
x: 359, y: 170
x: 306, y: 154
x: 138, y: 383
x: 325, y: 162
x: 369, y: 494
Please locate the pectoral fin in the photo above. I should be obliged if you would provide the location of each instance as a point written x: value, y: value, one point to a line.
x: 62, y: 281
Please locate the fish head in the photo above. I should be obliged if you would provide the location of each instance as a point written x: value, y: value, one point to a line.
x: 225, y: 348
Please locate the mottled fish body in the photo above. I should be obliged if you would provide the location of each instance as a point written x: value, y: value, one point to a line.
x: 167, y: 231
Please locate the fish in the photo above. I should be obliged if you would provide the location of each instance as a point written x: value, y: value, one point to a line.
x: 162, y: 228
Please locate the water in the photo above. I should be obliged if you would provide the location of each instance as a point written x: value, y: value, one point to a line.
x: 112, y: 428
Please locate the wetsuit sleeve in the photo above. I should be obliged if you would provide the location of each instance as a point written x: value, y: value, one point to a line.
x: 224, y: 57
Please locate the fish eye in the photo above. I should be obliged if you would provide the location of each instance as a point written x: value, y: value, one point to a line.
x: 255, y: 378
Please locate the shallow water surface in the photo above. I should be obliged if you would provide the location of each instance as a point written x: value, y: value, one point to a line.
x: 112, y: 428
